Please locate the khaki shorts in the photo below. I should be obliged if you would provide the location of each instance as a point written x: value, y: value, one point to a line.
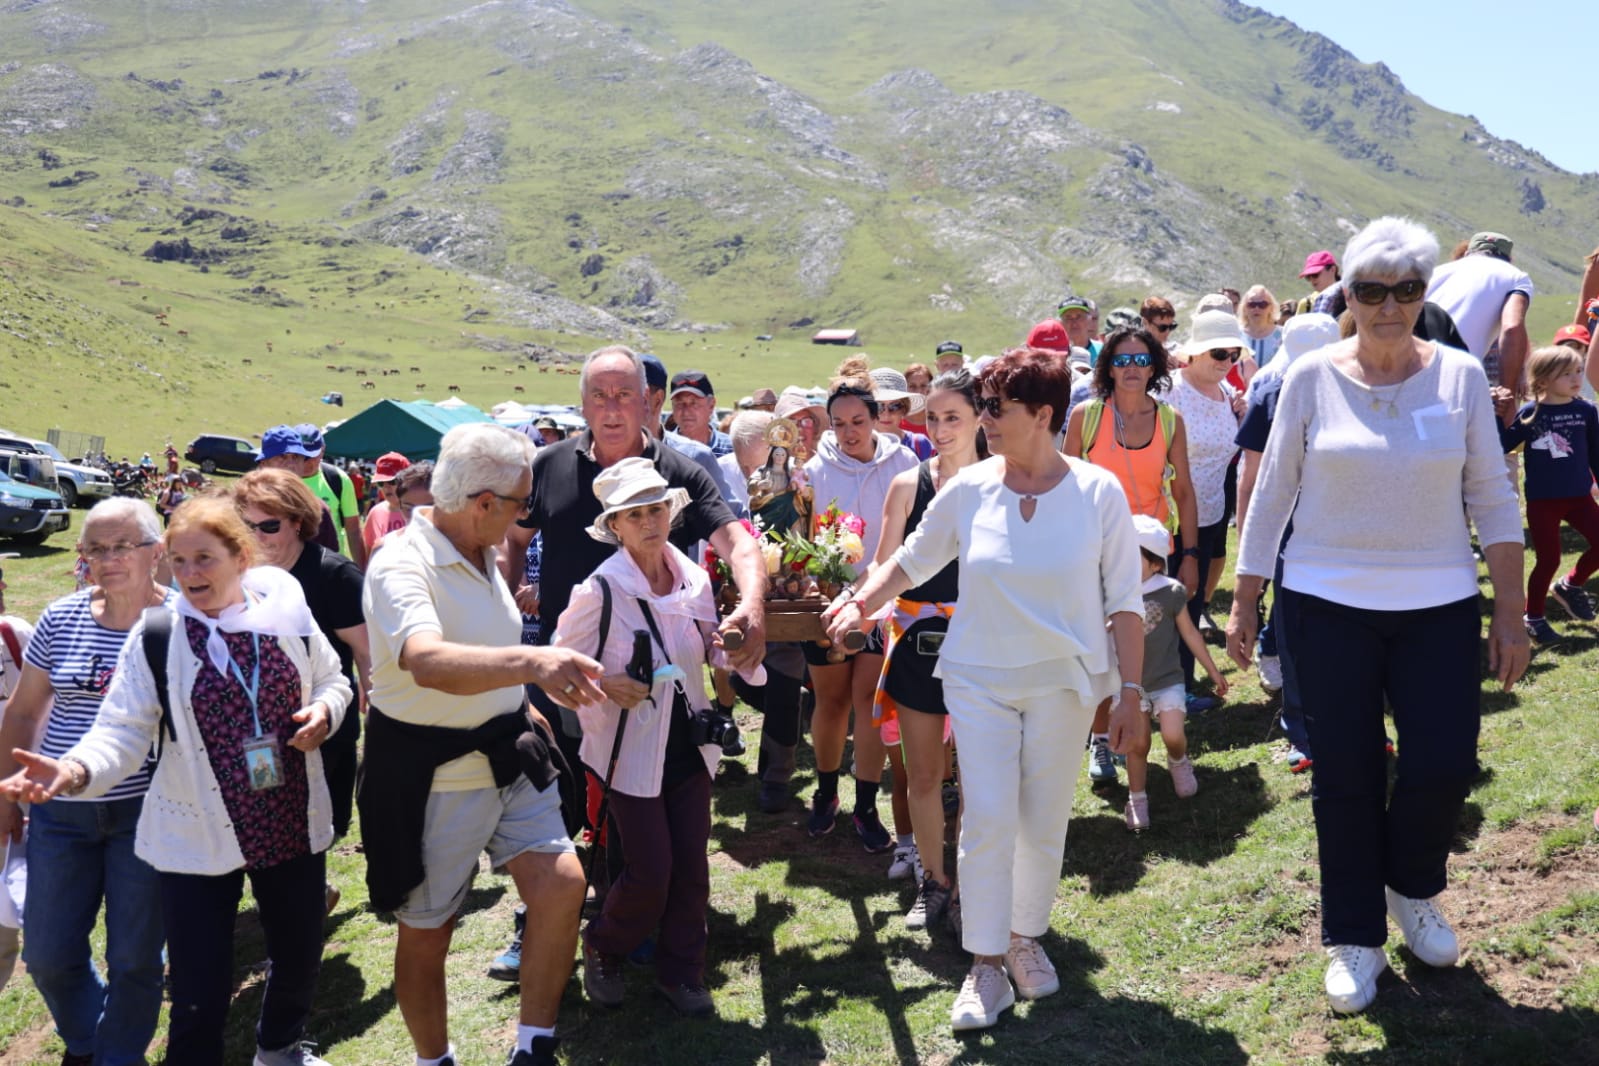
x: 505, y: 822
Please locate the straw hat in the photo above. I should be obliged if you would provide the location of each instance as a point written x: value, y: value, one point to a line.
x: 890, y: 386
x: 630, y: 483
x: 796, y: 401
x: 1213, y: 329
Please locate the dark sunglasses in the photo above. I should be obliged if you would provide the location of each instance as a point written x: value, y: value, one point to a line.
x: 270, y: 526
x: 1122, y: 360
x: 1229, y: 354
x: 991, y: 405
x: 898, y: 407
x: 1163, y: 327
x: 1372, y: 293
x: 1258, y: 305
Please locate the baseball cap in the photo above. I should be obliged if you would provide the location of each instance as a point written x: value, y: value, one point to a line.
x: 1073, y: 302
x: 1152, y: 535
x: 693, y: 381
x: 311, y: 437
x: 284, y: 440
x: 1579, y: 334
x: 389, y: 465
x: 1316, y: 262
x: 546, y: 422
x: 654, y: 371
x: 1049, y: 334
x: 1492, y: 243
x: 949, y: 347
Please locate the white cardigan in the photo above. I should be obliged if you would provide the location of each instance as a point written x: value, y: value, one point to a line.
x: 184, y: 827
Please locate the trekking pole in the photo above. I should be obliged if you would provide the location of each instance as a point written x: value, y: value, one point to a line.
x: 640, y: 669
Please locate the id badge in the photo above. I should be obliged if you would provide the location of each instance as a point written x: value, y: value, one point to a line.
x: 261, y: 761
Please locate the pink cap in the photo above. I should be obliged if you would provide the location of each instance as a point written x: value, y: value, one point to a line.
x: 1316, y: 262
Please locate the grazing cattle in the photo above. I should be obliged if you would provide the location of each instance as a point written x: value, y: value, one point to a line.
x: 421, y: 385
x: 521, y: 366
x: 455, y: 388
x: 416, y: 370
x: 329, y: 366
x: 369, y: 384
x: 508, y: 373
x: 183, y: 333
x: 518, y: 388
x: 249, y: 362
x: 544, y: 370
x: 269, y: 347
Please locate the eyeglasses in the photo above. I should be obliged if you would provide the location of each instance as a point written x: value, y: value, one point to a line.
x: 1258, y: 305
x: 1373, y: 293
x: 523, y: 503
x: 269, y: 527
x: 990, y: 405
x: 1228, y: 354
x: 1163, y: 327
x: 100, y: 552
x: 1123, y: 360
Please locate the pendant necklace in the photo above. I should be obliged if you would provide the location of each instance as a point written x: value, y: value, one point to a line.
x: 1392, y: 399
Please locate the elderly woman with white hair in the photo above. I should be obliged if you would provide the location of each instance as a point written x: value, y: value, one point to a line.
x: 443, y: 780
x: 657, y: 767
x: 1257, y: 314
x: 1380, y: 603
x: 750, y: 452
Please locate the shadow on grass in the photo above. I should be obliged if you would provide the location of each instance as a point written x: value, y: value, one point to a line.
x: 1197, y: 831
x: 1449, y: 1016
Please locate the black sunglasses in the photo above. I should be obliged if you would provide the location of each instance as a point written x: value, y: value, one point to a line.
x: 270, y: 526
x: 1258, y: 304
x: 990, y: 404
x: 1122, y: 360
x: 1372, y: 293
x: 1229, y: 354
x: 1163, y: 327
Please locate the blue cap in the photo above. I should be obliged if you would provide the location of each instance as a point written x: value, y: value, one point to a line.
x: 654, y: 371
x: 311, y: 437
x: 285, y: 440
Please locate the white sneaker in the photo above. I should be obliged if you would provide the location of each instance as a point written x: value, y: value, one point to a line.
x: 1271, y: 673
x: 984, y: 996
x: 1351, y: 980
x: 1030, y: 968
x: 907, y: 863
x: 1427, y: 932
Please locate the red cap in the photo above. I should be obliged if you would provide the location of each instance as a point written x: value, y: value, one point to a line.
x: 1049, y: 334
x: 1316, y: 262
x: 389, y: 466
x: 1573, y: 333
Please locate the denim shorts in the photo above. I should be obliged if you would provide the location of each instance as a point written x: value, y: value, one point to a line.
x: 505, y: 822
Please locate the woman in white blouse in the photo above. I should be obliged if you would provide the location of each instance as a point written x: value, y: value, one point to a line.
x: 1047, y: 554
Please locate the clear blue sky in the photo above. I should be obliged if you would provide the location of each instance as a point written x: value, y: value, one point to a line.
x: 1524, y: 69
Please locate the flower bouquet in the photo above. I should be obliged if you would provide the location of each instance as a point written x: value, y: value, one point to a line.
x: 829, y: 557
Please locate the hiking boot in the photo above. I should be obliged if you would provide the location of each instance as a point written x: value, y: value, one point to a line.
x: 1182, y: 777
x: 907, y: 863
x: 1574, y: 598
x: 932, y: 901
x: 508, y: 965
x: 691, y: 1001
x: 1030, y: 968
x: 602, y: 977
x: 1137, y: 813
x: 1271, y: 674
x: 541, y: 1054
x: 1101, y: 767
x: 823, y: 816
x: 1542, y: 633
x: 1298, y: 761
x: 1427, y: 931
x: 984, y: 996
x: 296, y: 1054
x: 869, y: 827
x: 1351, y: 979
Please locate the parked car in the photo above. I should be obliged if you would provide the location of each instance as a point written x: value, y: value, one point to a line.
x: 29, y: 513
x: 213, y: 451
x: 77, y: 483
x: 30, y: 468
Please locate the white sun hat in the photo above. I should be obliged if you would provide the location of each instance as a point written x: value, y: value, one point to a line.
x: 890, y: 386
x: 632, y: 482
x: 1213, y: 329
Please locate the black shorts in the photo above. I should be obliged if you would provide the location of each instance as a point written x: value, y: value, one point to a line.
x: 909, y: 679
x: 816, y: 655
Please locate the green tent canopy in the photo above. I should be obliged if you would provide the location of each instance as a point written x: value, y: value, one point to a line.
x: 412, y: 428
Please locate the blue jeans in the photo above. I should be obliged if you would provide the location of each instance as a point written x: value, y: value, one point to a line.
x: 78, y: 855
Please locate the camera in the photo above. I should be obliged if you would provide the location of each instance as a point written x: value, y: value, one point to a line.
x: 714, y: 727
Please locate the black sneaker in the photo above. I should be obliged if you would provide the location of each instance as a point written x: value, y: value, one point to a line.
x: 932, y: 900
x: 869, y: 827
x: 1574, y: 599
x: 543, y: 1053
x: 1542, y: 633
x: 823, y: 816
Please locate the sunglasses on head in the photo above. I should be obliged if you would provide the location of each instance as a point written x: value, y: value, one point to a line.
x: 1373, y: 293
x: 1122, y: 360
x: 992, y: 405
x: 270, y: 526
x: 1229, y: 354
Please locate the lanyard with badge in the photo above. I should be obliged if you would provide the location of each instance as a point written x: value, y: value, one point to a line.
x: 261, y: 751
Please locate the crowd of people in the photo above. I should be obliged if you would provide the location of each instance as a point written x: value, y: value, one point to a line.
x: 536, y: 641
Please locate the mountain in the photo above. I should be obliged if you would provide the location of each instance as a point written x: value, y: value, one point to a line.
x: 480, y: 176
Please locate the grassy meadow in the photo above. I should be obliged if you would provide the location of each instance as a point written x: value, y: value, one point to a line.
x: 1195, y: 942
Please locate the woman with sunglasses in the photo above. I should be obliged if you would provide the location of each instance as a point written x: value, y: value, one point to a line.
x: 1257, y: 315
x: 237, y: 789
x: 1047, y: 554
x: 1143, y: 443
x: 284, y: 514
x: 81, y: 851
x: 1380, y: 599
x: 853, y: 468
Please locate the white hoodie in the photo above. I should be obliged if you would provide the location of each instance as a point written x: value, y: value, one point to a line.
x: 858, y: 487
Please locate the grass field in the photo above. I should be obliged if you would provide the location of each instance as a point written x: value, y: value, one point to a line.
x: 1195, y: 942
